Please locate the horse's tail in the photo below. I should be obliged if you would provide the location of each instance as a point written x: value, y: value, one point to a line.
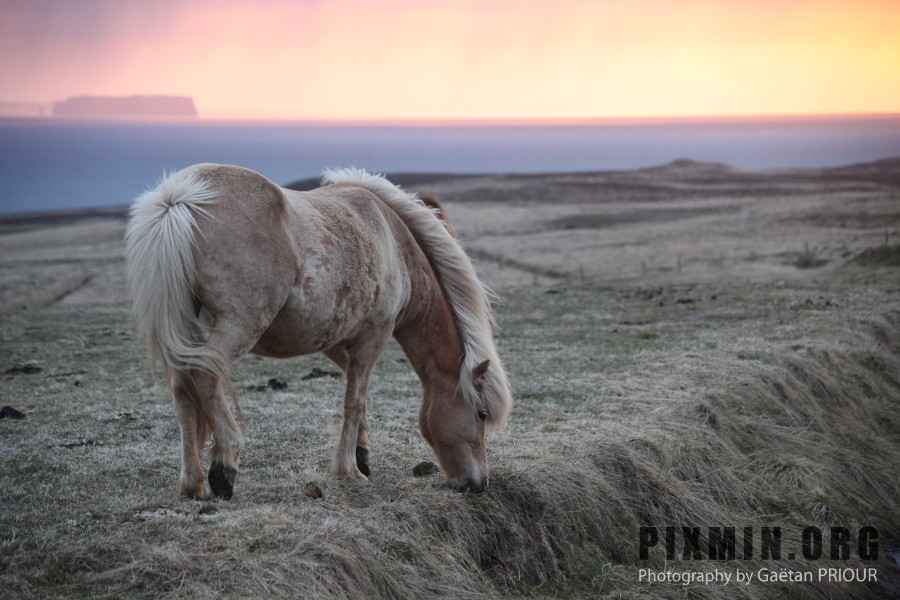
x: 468, y: 298
x: 159, y: 244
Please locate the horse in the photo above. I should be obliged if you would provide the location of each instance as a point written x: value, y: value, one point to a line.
x: 222, y: 262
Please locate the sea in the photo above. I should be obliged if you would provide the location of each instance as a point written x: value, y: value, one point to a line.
x: 53, y: 164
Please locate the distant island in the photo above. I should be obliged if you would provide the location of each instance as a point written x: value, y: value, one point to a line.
x: 125, y: 106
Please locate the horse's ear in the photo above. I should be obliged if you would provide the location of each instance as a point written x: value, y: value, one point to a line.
x: 480, y: 370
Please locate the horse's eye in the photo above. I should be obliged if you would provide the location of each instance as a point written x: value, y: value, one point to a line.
x: 482, y: 415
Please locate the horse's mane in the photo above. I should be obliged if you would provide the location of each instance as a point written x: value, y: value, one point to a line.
x: 468, y: 298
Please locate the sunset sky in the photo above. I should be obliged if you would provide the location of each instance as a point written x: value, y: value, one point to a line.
x: 460, y: 59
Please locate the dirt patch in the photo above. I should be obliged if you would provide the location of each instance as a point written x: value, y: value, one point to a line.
x: 271, y: 384
x: 656, y: 215
x: 25, y: 368
x: 8, y: 412
x: 425, y: 468
x: 885, y: 256
x: 312, y: 490
x: 51, y: 294
x: 317, y: 373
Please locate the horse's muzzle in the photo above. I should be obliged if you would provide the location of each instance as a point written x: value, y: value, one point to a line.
x: 468, y: 484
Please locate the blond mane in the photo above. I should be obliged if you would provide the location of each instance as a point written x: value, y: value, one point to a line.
x: 468, y: 298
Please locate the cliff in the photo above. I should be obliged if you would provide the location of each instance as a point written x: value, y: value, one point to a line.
x: 126, y: 106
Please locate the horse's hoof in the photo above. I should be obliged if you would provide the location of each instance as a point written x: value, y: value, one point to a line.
x: 354, y: 475
x: 200, y: 492
x: 221, y: 480
x: 362, y: 460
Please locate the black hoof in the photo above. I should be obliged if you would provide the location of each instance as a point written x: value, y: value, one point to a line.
x: 362, y: 460
x: 221, y: 480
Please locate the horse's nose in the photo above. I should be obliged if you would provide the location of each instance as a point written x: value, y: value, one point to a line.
x: 468, y: 484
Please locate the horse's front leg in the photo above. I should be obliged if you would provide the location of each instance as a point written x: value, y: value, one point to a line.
x: 362, y: 443
x: 345, y: 464
x: 351, y: 457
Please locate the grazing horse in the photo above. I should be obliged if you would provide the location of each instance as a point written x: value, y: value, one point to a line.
x: 222, y: 262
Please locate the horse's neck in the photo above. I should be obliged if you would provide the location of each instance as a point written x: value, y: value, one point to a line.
x: 431, y: 341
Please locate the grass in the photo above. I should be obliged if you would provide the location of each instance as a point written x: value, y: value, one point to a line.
x: 690, y: 417
x: 727, y: 393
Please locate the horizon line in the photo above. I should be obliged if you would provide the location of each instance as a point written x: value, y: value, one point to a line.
x: 460, y: 121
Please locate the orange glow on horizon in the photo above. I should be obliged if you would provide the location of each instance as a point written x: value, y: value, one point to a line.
x: 464, y: 59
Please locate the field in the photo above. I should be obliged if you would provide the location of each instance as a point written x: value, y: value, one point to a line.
x: 690, y: 346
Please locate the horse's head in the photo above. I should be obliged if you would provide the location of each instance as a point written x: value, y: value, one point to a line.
x: 455, y: 430
x: 450, y: 344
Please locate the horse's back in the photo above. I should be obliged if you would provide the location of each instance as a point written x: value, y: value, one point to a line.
x: 242, y: 194
x: 302, y: 271
x: 352, y: 272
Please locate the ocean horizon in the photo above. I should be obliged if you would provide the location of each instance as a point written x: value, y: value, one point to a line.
x: 57, y: 164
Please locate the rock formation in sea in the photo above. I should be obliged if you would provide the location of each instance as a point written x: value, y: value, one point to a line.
x: 126, y: 106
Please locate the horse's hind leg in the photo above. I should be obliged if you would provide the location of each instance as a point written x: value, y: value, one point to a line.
x: 228, y: 442
x: 194, y: 432
x: 201, y: 404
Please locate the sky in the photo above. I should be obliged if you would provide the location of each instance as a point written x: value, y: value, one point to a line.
x: 460, y: 59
